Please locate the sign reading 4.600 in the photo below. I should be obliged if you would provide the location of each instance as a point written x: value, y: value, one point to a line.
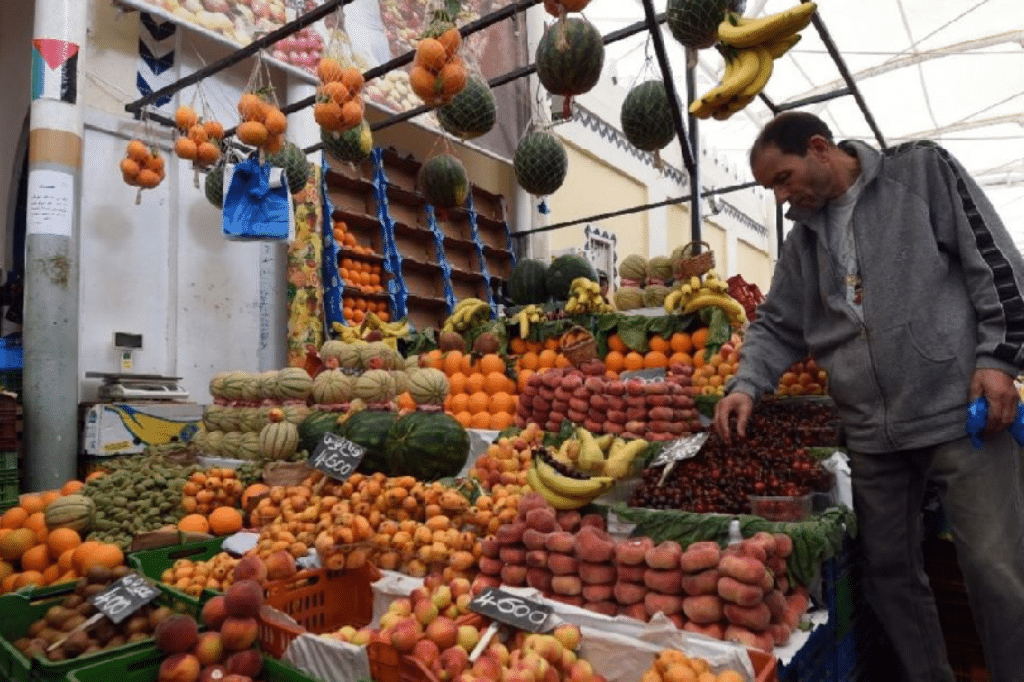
x: 124, y: 596
x: 336, y: 457
x: 507, y: 608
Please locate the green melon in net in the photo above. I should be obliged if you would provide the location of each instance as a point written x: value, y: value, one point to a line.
x: 471, y: 113
x: 295, y: 165
x: 353, y: 145
x: 694, y: 23
x: 647, y: 117
x: 540, y: 163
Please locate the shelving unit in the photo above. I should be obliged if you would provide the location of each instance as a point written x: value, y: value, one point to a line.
x: 428, y: 264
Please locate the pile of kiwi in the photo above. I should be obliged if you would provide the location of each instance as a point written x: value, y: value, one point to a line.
x: 74, y: 609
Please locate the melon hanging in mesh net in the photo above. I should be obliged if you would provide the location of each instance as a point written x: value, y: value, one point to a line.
x: 540, y: 163
x: 471, y: 113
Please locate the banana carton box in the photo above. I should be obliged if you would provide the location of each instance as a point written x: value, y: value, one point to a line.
x: 128, y: 428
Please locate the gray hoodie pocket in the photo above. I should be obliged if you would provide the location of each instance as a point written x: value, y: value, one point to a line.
x: 918, y: 371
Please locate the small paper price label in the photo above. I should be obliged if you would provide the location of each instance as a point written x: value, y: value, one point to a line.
x: 509, y: 609
x: 336, y: 457
x: 124, y: 596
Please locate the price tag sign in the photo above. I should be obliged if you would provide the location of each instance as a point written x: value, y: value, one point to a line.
x: 124, y: 596
x: 336, y: 457
x: 648, y: 376
x: 509, y: 609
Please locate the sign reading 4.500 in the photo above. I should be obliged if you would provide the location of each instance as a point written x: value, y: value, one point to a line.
x: 507, y: 608
x: 124, y: 597
x: 336, y: 456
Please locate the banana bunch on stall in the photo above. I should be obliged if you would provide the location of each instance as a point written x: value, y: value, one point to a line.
x: 585, y: 297
x: 694, y: 294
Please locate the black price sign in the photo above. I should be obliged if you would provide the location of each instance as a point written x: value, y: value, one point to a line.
x: 124, y: 596
x: 336, y: 457
x: 509, y: 609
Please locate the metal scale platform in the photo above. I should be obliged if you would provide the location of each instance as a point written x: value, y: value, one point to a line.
x: 118, y: 387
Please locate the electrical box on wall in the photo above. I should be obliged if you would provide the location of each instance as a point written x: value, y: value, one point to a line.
x: 125, y: 343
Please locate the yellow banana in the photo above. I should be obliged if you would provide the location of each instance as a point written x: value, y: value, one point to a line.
x: 777, y: 48
x: 524, y: 324
x: 750, y: 32
x: 695, y: 282
x: 745, y: 66
x: 585, y: 488
x: 672, y: 300
x: 591, y: 459
x: 767, y: 65
x: 727, y: 303
x: 604, y: 442
x: 554, y: 499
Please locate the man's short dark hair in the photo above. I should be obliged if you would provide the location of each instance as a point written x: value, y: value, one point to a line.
x: 791, y: 132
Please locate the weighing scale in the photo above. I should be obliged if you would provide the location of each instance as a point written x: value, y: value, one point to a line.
x: 119, y: 387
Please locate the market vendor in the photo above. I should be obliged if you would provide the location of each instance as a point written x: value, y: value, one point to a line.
x: 900, y: 280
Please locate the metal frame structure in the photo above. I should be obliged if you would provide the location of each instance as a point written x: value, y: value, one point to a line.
x: 688, y: 139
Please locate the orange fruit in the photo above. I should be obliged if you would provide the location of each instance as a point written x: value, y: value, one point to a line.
x: 457, y: 383
x: 547, y: 358
x: 37, y: 524
x: 14, y: 517
x: 501, y: 402
x: 654, y: 359
x: 615, y: 361
x: 615, y: 343
x: 475, y: 383
x: 464, y: 418
x: 517, y: 346
x: 700, y: 337
x: 16, y: 543
x: 459, y: 403
x: 225, y: 520
x: 523, y: 378
x: 681, y: 358
x: 35, y: 559
x: 529, y: 360
x: 452, y: 362
x: 562, y: 361
x: 492, y: 363
x: 481, y: 420
x: 634, y: 361
x: 405, y: 402
x: 478, y: 402
x: 27, y: 578
x: 681, y: 343
x: 64, y: 561
x: 51, y: 574
x: 468, y: 364
x: 553, y: 343
x: 32, y: 502
x: 7, y: 584
x: 500, y: 420
x: 6, y: 569
x: 497, y: 382
x: 658, y: 343
x: 91, y: 553
x: 194, y: 523
x: 71, y: 487
x: 49, y: 496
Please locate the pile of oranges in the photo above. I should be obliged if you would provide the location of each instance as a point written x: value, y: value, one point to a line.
x: 438, y: 73
x: 200, y: 141
x: 481, y: 395
x: 142, y: 166
x: 263, y: 124
x: 339, y: 103
x: 32, y: 554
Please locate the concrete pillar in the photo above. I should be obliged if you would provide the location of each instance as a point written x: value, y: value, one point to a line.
x: 50, y: 380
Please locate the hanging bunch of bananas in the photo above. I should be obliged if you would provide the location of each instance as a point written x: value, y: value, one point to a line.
x: 468, y: 313
x: 528, y: 315
x: 585, y: 297
x: 399, y: 329
x: 584, y: 468
x: 695, y: 294
x: 751, y: 47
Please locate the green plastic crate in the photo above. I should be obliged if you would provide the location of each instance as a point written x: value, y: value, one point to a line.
x: 9, y: 492
x: 144, y: 666
x: 9, y: 461
x: 19, y: 611
x: 153, y: 562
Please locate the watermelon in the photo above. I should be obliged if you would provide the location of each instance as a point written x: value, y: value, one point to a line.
x: 647, y: 117
x: 570, y: 55
x: 427, y: 445
x: 694, y: 23
x: 540, y: 163
x: 471, y: 113
x: 370, y: 429
x: 214, y: 185
x: 295, y: 165
x: 528, y: 282
x: 563, y: 270
x: 313, y: 428
x: 353, y: 145
x: 443, y: 181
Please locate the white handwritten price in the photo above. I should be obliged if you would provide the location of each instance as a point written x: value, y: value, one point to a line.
x: 124, y: 597
x: 112, y: 603
x: 337, y: 462
x: 137, y: 586
x: 336, y: 456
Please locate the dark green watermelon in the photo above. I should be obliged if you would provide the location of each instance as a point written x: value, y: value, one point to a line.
x: 313, y: 428
x: 214, y: 185
x: 370, y: 429
x: 443, y: 181
x: 427, y: 445
x: 563, y: 270
x: 540, y: 163
x: 353, y: 145
x: 295, y: 165
x: 647, y: 117
x: 528, y: 282
x: 694, y: 23
x: 570, y: 56
x: 471, y: 113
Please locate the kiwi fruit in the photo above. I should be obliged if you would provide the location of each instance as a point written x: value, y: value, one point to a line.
x: 116, y: 640
x: 138, y: 636
x: 136, y: 624
x: 72, y: 601
x: 50, y: 636
x: 158, y: 614
x: 93, y: 649
x: 37, y: 647
x: 86, y: 609
x: 56, y: 655
x: 118, y: 572
x: 76, y: 644
x: 73, y: 622
x: 98, y: 575
x: 92, y: 589
x: 37, y: 627
x: 22, y: 644
x: 55, y: 616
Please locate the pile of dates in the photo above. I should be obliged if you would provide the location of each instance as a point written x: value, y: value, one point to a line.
x: 771, y: 461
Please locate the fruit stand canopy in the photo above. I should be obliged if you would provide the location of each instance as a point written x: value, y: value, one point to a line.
x: 945, y: 70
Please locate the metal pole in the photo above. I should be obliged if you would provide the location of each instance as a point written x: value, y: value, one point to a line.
x: 50, y: 379
x: 694, y: 142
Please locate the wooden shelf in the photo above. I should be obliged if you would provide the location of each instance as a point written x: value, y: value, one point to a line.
x: 347, y: 183
x: 427, y: 301
x: 418, y: 266
x: 379, y: 296
x: 359, y: 219
x: 371, y: 258
x: 415, y: 231
x: 467, y: 275
x: 403, y: 196
x: 500, y: 253
x: 485, y: 223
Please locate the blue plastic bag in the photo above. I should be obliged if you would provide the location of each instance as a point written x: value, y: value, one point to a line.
x: 258, y: 204
x: 977, y: 417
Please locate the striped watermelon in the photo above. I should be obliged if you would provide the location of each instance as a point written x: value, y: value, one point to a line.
x: 443, y: 181
x: 527, y: 283
x: 570, y: 56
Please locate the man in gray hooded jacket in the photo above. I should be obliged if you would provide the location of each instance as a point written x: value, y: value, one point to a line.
x: 900, y: 280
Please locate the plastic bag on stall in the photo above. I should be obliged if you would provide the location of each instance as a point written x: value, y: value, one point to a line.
x: 326, y: 658
x: 258, y: 203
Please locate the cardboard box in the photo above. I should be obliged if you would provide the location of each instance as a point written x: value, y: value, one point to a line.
x: 128, y: 428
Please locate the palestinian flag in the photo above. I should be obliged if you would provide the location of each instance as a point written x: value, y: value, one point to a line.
x: 54, y: 69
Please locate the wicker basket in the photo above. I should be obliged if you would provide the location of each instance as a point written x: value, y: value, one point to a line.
x: 693, y: 266
x: 582, y: 350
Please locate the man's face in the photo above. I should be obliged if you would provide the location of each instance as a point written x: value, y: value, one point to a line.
x: 803, y: 181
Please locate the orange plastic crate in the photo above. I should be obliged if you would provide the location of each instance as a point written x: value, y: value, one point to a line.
x: 320, y: 601
x: 766, y: 667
